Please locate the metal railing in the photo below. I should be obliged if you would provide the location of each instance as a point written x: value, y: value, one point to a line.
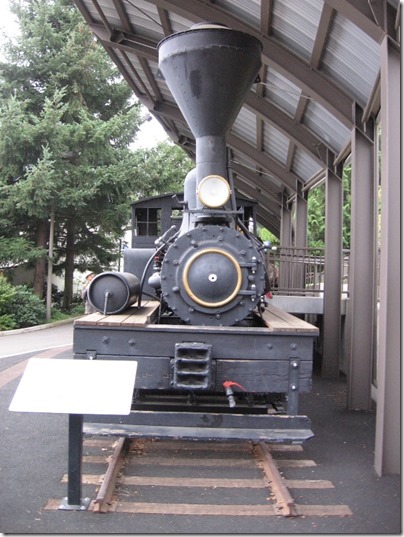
x: 300, y: 271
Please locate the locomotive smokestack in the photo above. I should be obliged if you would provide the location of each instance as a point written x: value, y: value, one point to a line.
x: 209, y: 70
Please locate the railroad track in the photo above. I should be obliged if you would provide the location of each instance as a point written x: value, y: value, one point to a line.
x: 179, y: 477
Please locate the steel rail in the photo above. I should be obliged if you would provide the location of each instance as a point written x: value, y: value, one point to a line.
x: 284, y: 503
x: 104, y: 496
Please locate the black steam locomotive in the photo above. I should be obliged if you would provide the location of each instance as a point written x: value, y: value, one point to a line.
x: 215, y: 361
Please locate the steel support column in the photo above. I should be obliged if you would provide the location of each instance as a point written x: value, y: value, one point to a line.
x: 300, y: 236
x: 362, y: 304
x: 286, y: 242
x: 332, y: 276
x: 388, y: 424
x: 286, y: 225
x: 301, y: 220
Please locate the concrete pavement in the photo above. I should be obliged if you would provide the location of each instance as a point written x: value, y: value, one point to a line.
x: 36, y: 338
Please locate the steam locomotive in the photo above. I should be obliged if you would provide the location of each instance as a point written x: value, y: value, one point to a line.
x: 215, y: 361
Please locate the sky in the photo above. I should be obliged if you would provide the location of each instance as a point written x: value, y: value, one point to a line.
x: 6, y: 18
x: 151, y: 131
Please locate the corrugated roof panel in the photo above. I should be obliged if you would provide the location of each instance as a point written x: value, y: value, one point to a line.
x: 303, y: 165
x: 275, y: 143
x: 282, y: 92
x: 295, y: 24
x: 272, y: 180
x: 144, y: 19
x: 251, y: 165
x: 133, y: 62
x: 326, y: 126
x: 178, y: 23
x: 249, y: 12
x: 109, y: 11
x: 352, y: 58
x: 243, y: 160
x: 245, y: 126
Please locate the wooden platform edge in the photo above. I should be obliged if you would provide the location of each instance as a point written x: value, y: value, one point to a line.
x: 278, y: 320
x: 133, y: 316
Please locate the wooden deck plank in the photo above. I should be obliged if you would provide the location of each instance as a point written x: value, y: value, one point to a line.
x: 92, y: 319
x: 213, y: 510
x: 117, y: 319
x: 275, y: 319
x: 308, y: 484
x: 282, y: 321
x: 193, y: 509
x: 193, y: 482
x: 145, y: 315
x: 133, y: 316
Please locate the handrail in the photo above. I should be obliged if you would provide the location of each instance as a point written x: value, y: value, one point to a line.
x: 300, y: 271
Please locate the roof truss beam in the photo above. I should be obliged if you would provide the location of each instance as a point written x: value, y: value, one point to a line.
x: 300, y: 135
x: 258, y: 186
x: 263, y: 160
x: 371, y: 17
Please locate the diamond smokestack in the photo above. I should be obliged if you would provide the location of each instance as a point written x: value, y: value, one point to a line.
x: 209, y: 69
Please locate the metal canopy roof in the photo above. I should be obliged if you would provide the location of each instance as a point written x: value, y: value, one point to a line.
x: 321, y: 59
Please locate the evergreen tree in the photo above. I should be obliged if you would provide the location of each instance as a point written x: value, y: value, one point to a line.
x: 66, y: 121
x: 161, y: 170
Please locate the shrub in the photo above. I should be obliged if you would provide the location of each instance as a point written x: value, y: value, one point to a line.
x: 7, y: 322
x: 7, y: 291
x: 26, y: 307
x: 19, y: 306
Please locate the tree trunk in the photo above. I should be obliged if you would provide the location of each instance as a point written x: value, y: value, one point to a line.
x: 69, y: 270
x: 40, y: 265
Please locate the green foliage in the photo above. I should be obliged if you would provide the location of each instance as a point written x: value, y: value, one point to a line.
x: 316, y: 213
x: 19, y: 306
x: 316, y: 218
x: 7, y: 292
x: 67, y: 119
x: 7, y: 322
x: 265, y: 235
x: 75, y: 311
x: 58, y: 313
x: 346, y: 215
x: 14, y: 251
x: 160, y: 170
x: 26, y: 307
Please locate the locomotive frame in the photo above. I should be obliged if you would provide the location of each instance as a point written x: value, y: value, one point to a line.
x: 199, y: 363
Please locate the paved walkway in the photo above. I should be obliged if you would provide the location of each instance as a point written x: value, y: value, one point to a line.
x: 34, y: 339
x: 33, y: 460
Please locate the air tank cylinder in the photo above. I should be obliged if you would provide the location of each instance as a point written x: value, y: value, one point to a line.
x: 113, y: 292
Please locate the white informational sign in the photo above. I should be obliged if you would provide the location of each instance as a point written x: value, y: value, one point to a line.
x: 76, y: 387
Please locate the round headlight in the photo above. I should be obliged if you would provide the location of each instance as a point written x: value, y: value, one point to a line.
x: 213, y: 191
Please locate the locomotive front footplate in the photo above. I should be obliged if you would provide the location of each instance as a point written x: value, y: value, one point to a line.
x: 205, y: 382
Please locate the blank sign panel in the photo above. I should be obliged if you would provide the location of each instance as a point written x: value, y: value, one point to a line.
x: 76, y: 387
